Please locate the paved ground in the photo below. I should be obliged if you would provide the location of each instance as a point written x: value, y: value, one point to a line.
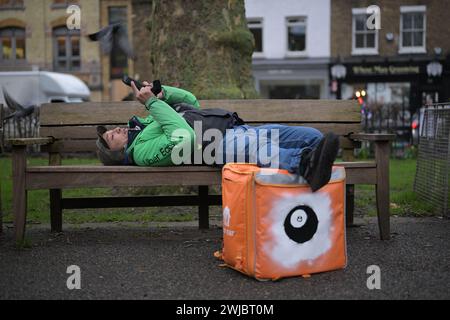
x: 132, y: 261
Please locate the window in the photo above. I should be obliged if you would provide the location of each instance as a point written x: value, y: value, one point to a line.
x: 364, y: 40
x: 412, y: 29
x: 256, y: 28
x: 63, y: 4
x: 296, y: 29
x: 12, y: 44
x: 298, y: 91
x: 11, y: 4
x: 119, y: 60
x: 66, y: 49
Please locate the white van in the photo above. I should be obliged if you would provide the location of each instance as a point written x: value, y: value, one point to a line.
x: 38, y: 87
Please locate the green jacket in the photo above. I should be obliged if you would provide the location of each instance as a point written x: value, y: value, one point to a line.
x: 153, y: 146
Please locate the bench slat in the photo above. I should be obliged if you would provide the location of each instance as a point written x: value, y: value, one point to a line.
x: 174, y: 169
x: 29, y: 141
x: 64, y: 177
x: 101, y: 168
x: 89, y: 132
x: 89, y: 146
x: 274, y: 111
x: 89, y: 113
x: 71, y: 179
x: 141, y: 201
x: 259, y: 110
x: 75, y: 146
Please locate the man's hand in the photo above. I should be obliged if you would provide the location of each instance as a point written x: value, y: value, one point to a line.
x: 159, y: 95
x: 144, y: 94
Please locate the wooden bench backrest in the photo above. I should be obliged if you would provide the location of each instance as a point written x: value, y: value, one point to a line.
x: 74, y: 124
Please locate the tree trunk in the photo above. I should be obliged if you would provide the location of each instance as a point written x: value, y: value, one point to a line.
x: 203, y: 46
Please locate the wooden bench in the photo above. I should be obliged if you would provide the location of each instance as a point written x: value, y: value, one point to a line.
x: 70, y: 128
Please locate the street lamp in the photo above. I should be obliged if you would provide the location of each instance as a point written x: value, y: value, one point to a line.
x: 434, y: 69
x: 338, y: 72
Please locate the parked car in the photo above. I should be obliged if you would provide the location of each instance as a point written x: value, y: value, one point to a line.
x: 38, y: 87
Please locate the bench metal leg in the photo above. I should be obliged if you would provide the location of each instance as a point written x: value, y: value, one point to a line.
x: 349, y: 204
x: 382, y: 188
x: 19, y: 205
x: 55, y: 197
x: 1, y: 209
x: 203, y: 208
x: 55, y: 210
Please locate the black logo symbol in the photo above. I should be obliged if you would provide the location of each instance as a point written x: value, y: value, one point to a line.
x: 307, y: 228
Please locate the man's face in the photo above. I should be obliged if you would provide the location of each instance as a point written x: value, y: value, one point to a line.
x: 116, y: 138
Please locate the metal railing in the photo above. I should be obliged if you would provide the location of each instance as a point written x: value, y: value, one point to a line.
x: 389, y: 118
x: 26, y: 127
x: 433, y: 162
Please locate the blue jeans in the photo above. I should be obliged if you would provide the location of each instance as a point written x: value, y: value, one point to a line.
x: 270, y: 145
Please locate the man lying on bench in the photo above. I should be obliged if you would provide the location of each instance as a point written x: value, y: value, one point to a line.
x: 176, y: 128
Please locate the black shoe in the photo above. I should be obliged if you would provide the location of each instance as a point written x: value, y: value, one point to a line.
x: 317, y: 164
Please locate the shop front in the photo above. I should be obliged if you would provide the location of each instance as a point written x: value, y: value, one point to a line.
x: 391, y: 91
x: 291, y: 78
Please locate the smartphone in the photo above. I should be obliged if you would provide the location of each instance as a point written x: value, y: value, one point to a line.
x: 127, y: 80
x: 156, y: 89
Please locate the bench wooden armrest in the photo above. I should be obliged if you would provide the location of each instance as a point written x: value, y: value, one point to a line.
x: 372, y: 136
x: 30, y: 141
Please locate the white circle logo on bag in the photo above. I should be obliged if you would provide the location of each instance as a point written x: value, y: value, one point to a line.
x: 298, y: 218
x: 301, y: 228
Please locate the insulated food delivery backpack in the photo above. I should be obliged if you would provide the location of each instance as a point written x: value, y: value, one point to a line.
x: 274, y: 226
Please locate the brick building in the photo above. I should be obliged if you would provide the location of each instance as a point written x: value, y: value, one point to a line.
x: 404, y: 63
x: 292, y: 47
x: 116, y: 64
x: 34, y: 35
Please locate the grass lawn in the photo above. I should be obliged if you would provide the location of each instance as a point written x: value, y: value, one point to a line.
x: 38, y: 201
x: 403, y: 199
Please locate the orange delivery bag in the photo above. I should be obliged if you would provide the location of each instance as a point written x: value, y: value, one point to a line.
x: 274, y: 226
